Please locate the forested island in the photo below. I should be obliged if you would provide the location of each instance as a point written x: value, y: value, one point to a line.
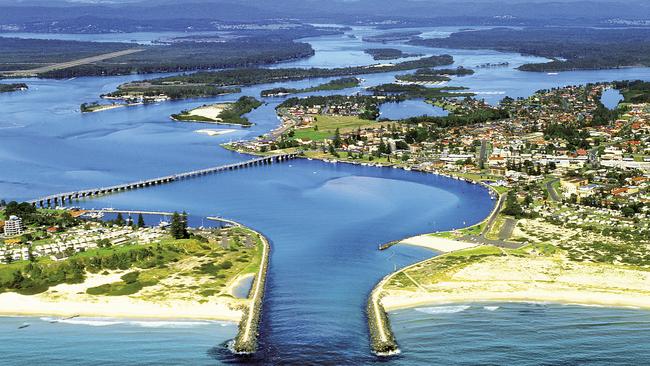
x: 5, y: 88
x: 200, y: 83
x: 336, y: 84
x: 147, y: 93
x: 392, y: 36
x: 403, y: 92
x: 221, y: 113
x: 568, y: 48
x: 387, y: 53
x: 428, y: 75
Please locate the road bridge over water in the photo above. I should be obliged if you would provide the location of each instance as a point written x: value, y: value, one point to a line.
x: 62, y: 198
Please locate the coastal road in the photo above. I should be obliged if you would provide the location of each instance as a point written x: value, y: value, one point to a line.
x: 66, y: 65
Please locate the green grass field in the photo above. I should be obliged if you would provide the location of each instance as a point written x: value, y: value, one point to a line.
x: 327, y: 126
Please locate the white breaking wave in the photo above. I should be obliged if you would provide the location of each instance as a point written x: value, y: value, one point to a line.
x: 488, y: 92
x: 98, y: 322
x: 490, y: 308
x: 172, y: 324
x: 443, y: 309
x: 85, y: 321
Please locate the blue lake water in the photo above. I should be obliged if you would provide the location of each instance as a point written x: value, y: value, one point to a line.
x: 611, y: 98
x: 410, y: 108
x: 324, y: 221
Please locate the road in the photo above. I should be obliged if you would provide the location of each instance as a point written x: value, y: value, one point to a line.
x: 552, y: 194
x: 66, y: 65
x: 483, y: 155
x: 493, y: 215
x: 506, y: 230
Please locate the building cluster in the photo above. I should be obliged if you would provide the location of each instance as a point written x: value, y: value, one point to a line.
x: 78, y: 239
x: 13, y: 226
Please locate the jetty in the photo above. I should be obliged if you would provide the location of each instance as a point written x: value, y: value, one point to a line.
x: 60, y: 199
x: 245, y: 343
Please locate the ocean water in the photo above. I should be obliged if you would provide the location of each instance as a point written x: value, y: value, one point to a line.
x: 101, y: 341
x: 325, y: 222
x: 521, y: 334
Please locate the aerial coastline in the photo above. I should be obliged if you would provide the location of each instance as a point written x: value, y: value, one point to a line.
x: 541, y: 196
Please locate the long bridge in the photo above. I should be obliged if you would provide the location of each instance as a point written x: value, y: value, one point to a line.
x: 62, y: 198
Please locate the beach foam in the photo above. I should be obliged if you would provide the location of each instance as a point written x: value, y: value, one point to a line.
x: 443, y: 309
x: 104, y: 322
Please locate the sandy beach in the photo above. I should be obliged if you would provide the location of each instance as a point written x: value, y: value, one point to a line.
x: 72, y: 300
x: 518, y: 279
x: 212, y: 132
x: 108, y: 107
x: 436, y: 243
x: 210, y: 111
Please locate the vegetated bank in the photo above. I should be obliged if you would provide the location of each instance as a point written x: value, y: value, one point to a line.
x: 569, y: 48
x: 193, y: 85
x: 221, y: 113
x: 23, y: 54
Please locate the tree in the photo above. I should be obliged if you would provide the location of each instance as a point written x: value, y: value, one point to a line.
x: 30, y: 254
x: 140, y: 221
x: 178, y: 227
x: 528, y: 200
x: 337, y: 139
x: 119, y: 221
x: 513, y: 208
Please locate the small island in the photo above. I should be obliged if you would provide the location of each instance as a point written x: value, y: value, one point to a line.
x: 145, y: 92
x: 379, y: 54
x: 97, y: 107
x: 6, y: 88
x: 433, y: 76
x: 336, y: 84
x: 221, y: 113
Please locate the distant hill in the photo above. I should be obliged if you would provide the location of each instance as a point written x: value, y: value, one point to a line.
x: 559, y: 11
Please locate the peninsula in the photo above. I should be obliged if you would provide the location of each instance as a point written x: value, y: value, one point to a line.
x: 67, y: 263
